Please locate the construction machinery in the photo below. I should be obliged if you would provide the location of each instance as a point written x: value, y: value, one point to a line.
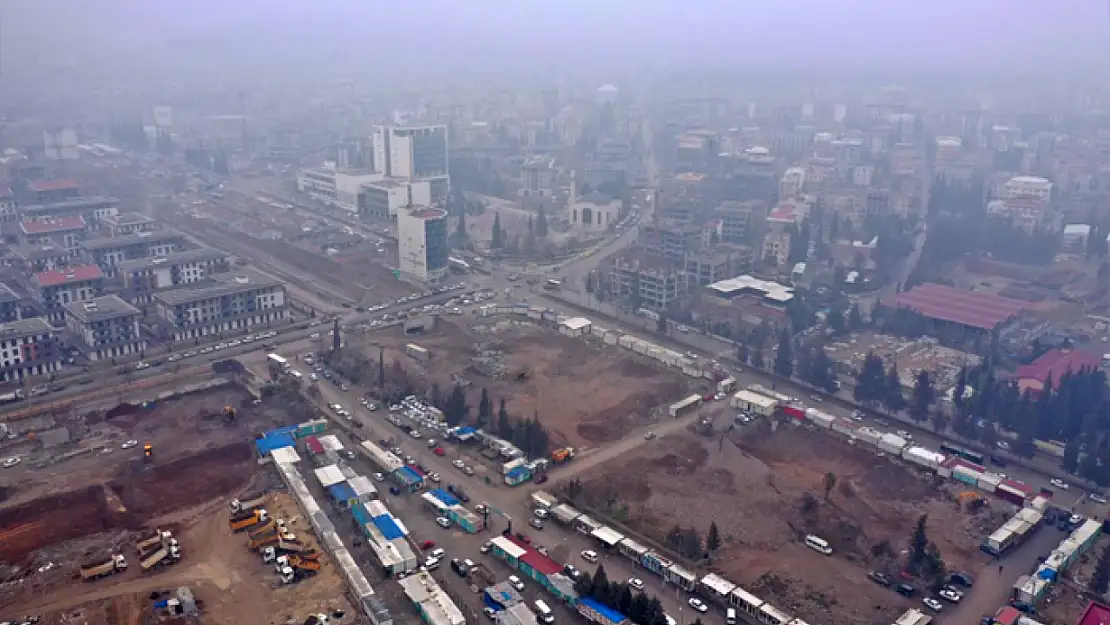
x: 971, y: 501
x: 247, y: 519
x: 164, y: 555
x: 102, y: 568
x: 148, y: 453
x: 248, y: 502
x: 293, y: 568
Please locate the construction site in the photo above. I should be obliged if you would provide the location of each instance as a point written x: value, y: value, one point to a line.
x: 538, y: 372
x: 767, y: 488
x: 143, y: 531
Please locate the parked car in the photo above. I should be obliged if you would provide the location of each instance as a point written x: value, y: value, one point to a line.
x: 698, y: 604
x: 589, y: 556
x: 443, y: 522
x: 636, y: 583
x: 1058, y: 483
x: 932, y: 604
x: 879, y: 578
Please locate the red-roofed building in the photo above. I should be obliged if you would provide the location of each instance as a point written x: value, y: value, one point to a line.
x: 1053, y: 364
x: 535, y: 560
x: 53, y: 290
x: 47, y: 191
x: 67, y: 232
x: 948, y: 305
x: 1095, y: 614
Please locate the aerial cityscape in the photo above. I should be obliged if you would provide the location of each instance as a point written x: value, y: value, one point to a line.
x: 548, y: 314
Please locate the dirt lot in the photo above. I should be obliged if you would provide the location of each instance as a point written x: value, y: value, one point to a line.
x: 585, y: 394
x: 753, y: 482
x: 178, y: 427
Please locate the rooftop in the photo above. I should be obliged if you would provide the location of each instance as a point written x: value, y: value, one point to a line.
x: 79, y: 273
x: 539, y: 562
x: 749, y: 284
x: 169, y: 260
x: 1095, y: 614
x: 33, y: 252
x: 25, y: 327
x: 427, y: 213
x: 53, y: 185
x: 46, y: 226
x: 5, y: 192
x: 969, y: 308
x: 241, y: 282
x: 1055, y: 363
x: 133, y: 239
x: 127, y: 219
x: 7, y: 295
x: 100, y: 309
x: 94, y: 201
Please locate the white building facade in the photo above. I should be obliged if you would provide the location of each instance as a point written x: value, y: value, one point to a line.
x: 106, y: 327
x: 238, y: 303
x: 422, y: 244
x: 414, y: 153
x: 28, y: 348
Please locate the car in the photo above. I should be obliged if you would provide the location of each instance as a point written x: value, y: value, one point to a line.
x: 649, y: 435
x: 460, y: 567
x: 431, y: 564
x: 950, y: 595
x: 670, y: 619
x: 856, y: 415
x: 879, y: 578
x: 189, y: 354
x: 378, y: 477
x: 589, y: 556
x: 932, y: 604
x: 11, y: 462
x: 515, y: 582
x: 905, y: 590
x: 129, y: 444
x: 636, y: 583
x: 314, y: 335
x: 963, y: 579
x: 904, y: 434
x: 395, y: 408
x: 698, y: 604
x: 1058, y: 483
x: 1097, y: 498
x: 541, y: 550
x: 458, y: 464
x: 480, y: 508
x: 139, y: 366
x: 397, y: 451
x: 536, y: 523
x: 490, y: 613
x: 434, y: 477
x: 443, y: 522
x: 206, y: 350
x: 439, y: 451
x: 344, y: 387
x: 540, y: 513
x: 486, y: 547
x: 468, y: 470
x: 174, y: 358
x: 572, y: 571
x: 1002, y: 445
x: 817, y: 399
x: 437, y: 552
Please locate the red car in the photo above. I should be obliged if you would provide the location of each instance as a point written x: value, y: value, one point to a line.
x: 428, y: 544
x: 439, y: 451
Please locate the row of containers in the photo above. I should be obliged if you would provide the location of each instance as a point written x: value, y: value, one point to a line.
x: 551, y: 576
x: 950, y: 462
x: 413, y: 479
x: 1031, y: 589
x: 579, y: 326
x: 359, y: 588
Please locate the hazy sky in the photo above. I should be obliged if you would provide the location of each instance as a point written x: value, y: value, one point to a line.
x: 375, y: 36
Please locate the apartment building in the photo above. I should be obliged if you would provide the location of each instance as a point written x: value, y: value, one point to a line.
x: 669, y: 239
x: 538, y: 176
x: 93, y: 209
x: 645, y: 280
x: 417, y: 152
x: 422, y: 244
x: 230, y: 303
x: 28, y: 259
x: 53, y: 290
x: 108, y: 252
x: 740, y: 221
x: 11, y: 309
x: 8, y: 205
x: 720, y: 263
x: 48, y: 191
x: 143, y: 277
x: 385, y: 198
x: 127, y: 224
x: 28, y: 348
x: 65, y: 232
x: 105, y: 327
x: 1027, y: 187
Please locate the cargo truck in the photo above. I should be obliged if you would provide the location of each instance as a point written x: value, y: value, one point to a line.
x: 248, y: 502
x: 269, y: 554
x: 545, y: 500
x: 562, y: 455
x: 103, y: 568
x: 150, y: 540
x: 292, y: 568
x: 247, y: 520
x: 161, y: 556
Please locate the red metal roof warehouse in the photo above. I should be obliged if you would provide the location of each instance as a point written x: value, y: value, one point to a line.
x: 968, y: 308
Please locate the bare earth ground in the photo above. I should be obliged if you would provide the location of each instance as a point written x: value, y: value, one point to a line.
x: 753, y: 489
x: 584, y: 393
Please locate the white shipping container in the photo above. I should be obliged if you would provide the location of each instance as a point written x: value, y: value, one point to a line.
x: 845, y: 427
x: 868, y: 435
x: 989, y: 483
x: 923, y: 457
x: 692, y: 372
x: 626, y: 341
x: 823, y: 420
x: 612, y: 338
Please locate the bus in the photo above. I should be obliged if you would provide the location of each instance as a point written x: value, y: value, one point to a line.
x: 960, y: 452
x: 11, y: 397
x: 276, y: 364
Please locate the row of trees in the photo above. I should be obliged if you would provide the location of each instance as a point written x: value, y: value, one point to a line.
x: 878, y: 388
x: 528, y: 434
x: 688, y: 541
x: 637, y: 606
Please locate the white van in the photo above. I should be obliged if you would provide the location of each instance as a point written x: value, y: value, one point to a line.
x: 818, y: 544
x: 544, y: 612
x: 730, y: 616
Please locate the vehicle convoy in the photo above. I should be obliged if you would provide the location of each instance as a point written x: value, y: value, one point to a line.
x: 248, y: 502
x: 247, y: 519
x: 102, y: 568
x: 164, y: 555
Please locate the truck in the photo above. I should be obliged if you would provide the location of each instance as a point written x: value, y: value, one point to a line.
x: 145, y: 543
x: 562, y: 455
x: 247, y: 520
x: 545, y: 500
x: 102, y: 568
x: 726, y: 385
x: 162, y: 556
x: 292, y: 568
x: 248, y: 502
x: 270, y: 554
x: 264, y: 540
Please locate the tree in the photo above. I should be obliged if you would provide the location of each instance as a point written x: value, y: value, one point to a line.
x: 462, y: 237
x: 1071, y: 455
x: 919, y: 542
x: 713, y: 538
x: 757, y: 358
x: 830, y: 483
x: 1100, y: 581
x: 893, y: 397
x: 784, y: 355
x: 870, y: 381
x: 497, y: 237
x: 923, y: 396
x: 504, y: 425
x: 836, y: 321
x: 485, y: 410
x: 531, y: 226
x: 456, y: 410
x: 584, y: 584
x: 541, y: 224
x: 600, y: 588
x: 691, y: 543
x: 855, y: 319
x: 661, y: 324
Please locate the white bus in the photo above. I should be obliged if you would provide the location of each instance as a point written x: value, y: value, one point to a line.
x: 818, y: 544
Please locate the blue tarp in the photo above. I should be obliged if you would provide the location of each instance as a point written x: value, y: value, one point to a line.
x: 285, y: 429
x: 408, y: 476
x: 270, y: 442
x: 609, y: 614
x: 388, y: 527
x: 518, y: 472
x: 447, y: 498
x: 342, y: 492
x: 465, y: 430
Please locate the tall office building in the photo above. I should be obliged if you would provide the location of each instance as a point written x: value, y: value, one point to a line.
x: 422, y: 245
x: 413, y: 153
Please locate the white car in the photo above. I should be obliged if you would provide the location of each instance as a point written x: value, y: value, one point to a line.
x: 636, y: 583
x: 443, y: 522
x: 698, y: 605
x: 540, y: 513
x: 1058, y: 483
x: 378, y: 477
x: 515, y: 582
x: 950, y: 594
x: 932, y: 604
x: 129, y: 444
x: 1097, y: 498
x: 434, y: 477
x: 11, y: 462
x: 458, y: 464
x: 589, y: 556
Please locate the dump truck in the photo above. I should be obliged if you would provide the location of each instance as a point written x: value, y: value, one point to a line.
x: 168, y: 543
x: 161, y: 557
x: 272, y: 553
x: 247, y: 520
x: 292, y: 568
x: 562, y: 455
x: 263, y: 541
x: 268, y: 527
x: 248, y: 502
x: 148, y: 541
x: 102, y: 568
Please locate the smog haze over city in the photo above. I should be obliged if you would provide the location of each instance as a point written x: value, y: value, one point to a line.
x: 652, y: 313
